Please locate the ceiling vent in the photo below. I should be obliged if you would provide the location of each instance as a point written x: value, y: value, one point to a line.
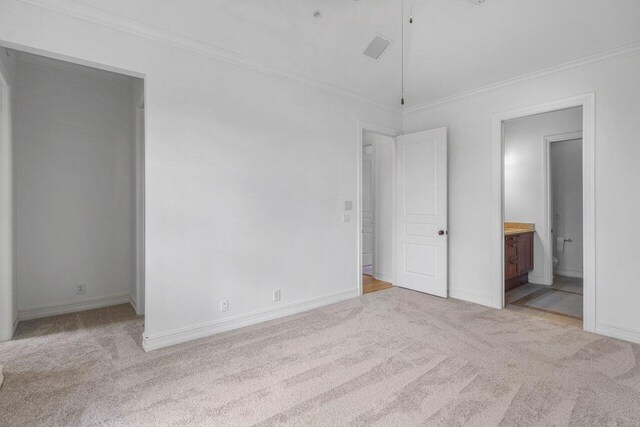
x: 376, y: 48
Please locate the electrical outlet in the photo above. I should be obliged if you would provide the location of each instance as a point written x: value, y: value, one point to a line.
x: 346, y: 218
x: 81, y: 289
x: 276, y: 295
x: 224, y: 305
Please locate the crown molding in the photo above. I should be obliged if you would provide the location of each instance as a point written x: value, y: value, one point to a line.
x: 69, y: 66
x: 137, y: 28
x: 610, y: 54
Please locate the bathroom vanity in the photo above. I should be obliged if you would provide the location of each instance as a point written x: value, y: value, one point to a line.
x: 518, y: 253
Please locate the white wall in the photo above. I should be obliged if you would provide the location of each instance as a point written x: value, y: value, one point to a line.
x: 383, y: 200
x: 73, y: 165
x: 525, y: 188
x: 8, y: 294
x: 246, y: 178
x: 566, y: 181
x: 469, y: 120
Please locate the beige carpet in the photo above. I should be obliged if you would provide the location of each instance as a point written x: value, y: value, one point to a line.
x: 390, y: 358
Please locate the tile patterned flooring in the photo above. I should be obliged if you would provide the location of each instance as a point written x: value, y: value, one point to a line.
x: 561, y: 302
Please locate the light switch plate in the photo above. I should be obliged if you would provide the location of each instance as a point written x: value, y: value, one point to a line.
x: 348, y: 205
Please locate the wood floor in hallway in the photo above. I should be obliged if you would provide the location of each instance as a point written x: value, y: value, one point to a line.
x: 369, y: 284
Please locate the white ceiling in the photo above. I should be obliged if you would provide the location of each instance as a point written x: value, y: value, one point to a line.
x: 285, y: 34
x: 452, y: 47
x: 458, y: 46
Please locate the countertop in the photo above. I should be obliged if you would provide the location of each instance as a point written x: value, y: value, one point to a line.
x: 513, y: 228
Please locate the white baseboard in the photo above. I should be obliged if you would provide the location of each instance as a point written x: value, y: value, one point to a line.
x: 71, y: 307
x: 132, y: 301
x: 16, y: 320
x: 619, y: 332
x: 166, y: 339
x: 537, y: 280
x: 383, y: 277
x: 474, y: 298
x: 568, y: 272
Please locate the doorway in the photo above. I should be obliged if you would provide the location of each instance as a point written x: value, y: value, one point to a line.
x: 416, y: 205
x: 546, y: 210
x: 377, y: 211
x: 75, y: 232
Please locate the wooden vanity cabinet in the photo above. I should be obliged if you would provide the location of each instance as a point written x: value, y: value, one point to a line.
x: 518, y: 253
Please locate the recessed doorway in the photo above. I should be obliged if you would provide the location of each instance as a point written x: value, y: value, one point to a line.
x: 74, y: 232
x: 546, y: 210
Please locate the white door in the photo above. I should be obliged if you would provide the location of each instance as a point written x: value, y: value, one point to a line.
x: 367, y: 205
x: 421, y: 212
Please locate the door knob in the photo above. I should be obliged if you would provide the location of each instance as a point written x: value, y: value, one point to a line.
x: 441, y: 232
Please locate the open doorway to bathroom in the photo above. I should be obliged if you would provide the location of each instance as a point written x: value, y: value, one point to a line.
x: 543, y: 215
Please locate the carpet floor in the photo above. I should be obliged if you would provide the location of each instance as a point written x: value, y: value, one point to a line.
x: 389, y: 358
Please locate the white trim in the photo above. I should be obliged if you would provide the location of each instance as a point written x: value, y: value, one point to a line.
x: 16, y: 320
x: 569, y: 272
x: 568, y: 66
x: 547, y: 200
x: 165, y: 339
x: 393, y: 133
x: 72, y: 307
x: 538, y: 280
x: 7, y: 308
x: 137, y: 28
x: 569, y: 136
x: 587, y: 102
x: 132, y: 301
x: 140, y: 139
x: 620, y: 332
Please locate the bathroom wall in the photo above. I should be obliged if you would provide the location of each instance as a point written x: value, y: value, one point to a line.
x: 525, y: 170
x: 566, y: 179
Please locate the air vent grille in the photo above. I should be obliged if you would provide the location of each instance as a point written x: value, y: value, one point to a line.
x: 376, y: 48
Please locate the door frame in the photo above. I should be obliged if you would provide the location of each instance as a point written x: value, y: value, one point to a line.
x: 386, y: 131
x: 548, y: 200
x: 587, y: 102
x: 139, y: 275
x: 8, y: 311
